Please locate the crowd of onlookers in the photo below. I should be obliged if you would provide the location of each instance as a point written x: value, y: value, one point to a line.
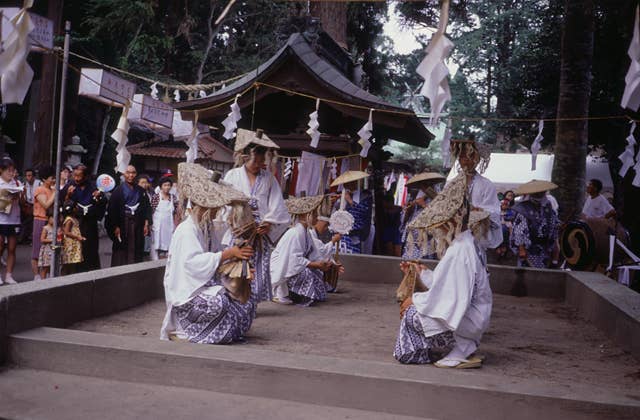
x: 139, y: 218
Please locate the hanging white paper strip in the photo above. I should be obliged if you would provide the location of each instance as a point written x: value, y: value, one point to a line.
x: 288, y: 167
x: 176, y: 95
x: 365, y: 135
x: 631, y: 95
x: 313, y: 124
x: 231, y: 122
x: 154, y: 90
x: 435, y: 73
x: 15, y: 73
x: 536, y: 145
x: 627, y: 156
x: 203, y: 94
x: 120, y: 136
x: 192, y: 141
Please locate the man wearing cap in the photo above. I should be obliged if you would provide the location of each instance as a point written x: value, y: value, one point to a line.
x: 128, y: 220
x: 254, y: 152
x: 93, y: 204
x: 535, y: 227
x: 444, y: 324
x: 202, y: 305
x: 473, y: 158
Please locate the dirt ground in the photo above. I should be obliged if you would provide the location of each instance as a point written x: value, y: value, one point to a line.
x: 528, y: 337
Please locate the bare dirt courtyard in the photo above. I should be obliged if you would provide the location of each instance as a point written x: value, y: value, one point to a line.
x: 528, y: 337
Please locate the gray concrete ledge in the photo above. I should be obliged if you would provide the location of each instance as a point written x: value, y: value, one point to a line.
x: 65, y: 300
x: 612, y: 307
x: 504, y: 280
x: 358, y: 384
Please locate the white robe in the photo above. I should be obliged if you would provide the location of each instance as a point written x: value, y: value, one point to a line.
x: 189, y: 267
x: 268, y: 194
x: 325, y: 251
x: 448, y: 306
x: 485, y: 197
x: 292, y: 254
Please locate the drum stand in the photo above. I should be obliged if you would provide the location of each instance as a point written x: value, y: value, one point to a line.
x: 623, y: 269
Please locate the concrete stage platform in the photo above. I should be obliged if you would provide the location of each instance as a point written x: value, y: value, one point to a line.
x: 547, y: 353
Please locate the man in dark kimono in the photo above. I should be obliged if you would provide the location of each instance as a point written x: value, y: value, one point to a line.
x: 535, y: 227
x: 93, y: 204
x: 128, y: 220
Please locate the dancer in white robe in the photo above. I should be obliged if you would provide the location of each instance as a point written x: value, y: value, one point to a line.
x: 327, y: 251
x: 201, y: 306
x: 296, y: 266
x: 444, y: 325
x: 473, y: 159
x: 254, y: 150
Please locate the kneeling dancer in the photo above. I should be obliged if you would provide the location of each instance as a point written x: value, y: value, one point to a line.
x: 451, y: 316
x: 296, y: 267
x: 204, y: 306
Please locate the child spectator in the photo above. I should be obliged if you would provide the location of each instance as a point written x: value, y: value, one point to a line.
x: 72, y: 243
x: 46, y: 240
x: 10, y: 190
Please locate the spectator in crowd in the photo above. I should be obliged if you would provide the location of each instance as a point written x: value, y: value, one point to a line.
x: 43, y: 201
x: 165, y: 217
x: 46, y: 252
x: 10, y: 190
x: 507, y: 215
x: 31, y: 183
x: 391, y: 236
x: 535, y: 227
x: 360, y: 205
x: 144, y: 182
x: 128, y: 220
x: 596, y: 206
x: 72, y: 242
x: 93, y: 203
x: 65, y: 174
x: 510, y: 196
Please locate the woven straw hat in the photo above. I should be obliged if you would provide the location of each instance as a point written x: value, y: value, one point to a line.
x: 349, y: 176
x: 535, y: 186
x: 444, y: 206
x: 303, y: 205
x: 246, y: 137
x: 196, y: 183
x: 425, y: 178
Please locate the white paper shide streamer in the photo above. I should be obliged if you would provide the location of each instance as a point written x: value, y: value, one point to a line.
x: 231, y: 122
x: 176, y: 95
x: 313, y: 124
x: 631, y: 95
x: 536, y: 145
x: 154, y: 90
x: 15, y: 72
x: 192, y: 142
x: 120, y: 136
x: 365, y: 135
x: 627, y: 156
x: 334, y: 169
x: 288, y: 168
x: 636, y: 167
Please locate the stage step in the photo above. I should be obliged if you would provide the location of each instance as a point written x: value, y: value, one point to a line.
x: 391, y: 388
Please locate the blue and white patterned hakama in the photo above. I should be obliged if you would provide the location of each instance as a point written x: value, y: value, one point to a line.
x: 216, y: 319
x: 412, y: 346
x: 261, y: 284
x: 310, y: 284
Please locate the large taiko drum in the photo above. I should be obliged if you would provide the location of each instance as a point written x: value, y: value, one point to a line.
x: 585, y: 243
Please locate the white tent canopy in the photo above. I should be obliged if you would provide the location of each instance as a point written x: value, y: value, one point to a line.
x: 509, y: 170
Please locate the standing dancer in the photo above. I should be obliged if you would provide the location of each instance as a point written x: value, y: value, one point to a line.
x: 473, y: 159
x: 254, y: 151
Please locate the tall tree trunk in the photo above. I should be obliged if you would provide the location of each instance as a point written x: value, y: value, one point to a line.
x: 569, y: 166
x: 333, y: 16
